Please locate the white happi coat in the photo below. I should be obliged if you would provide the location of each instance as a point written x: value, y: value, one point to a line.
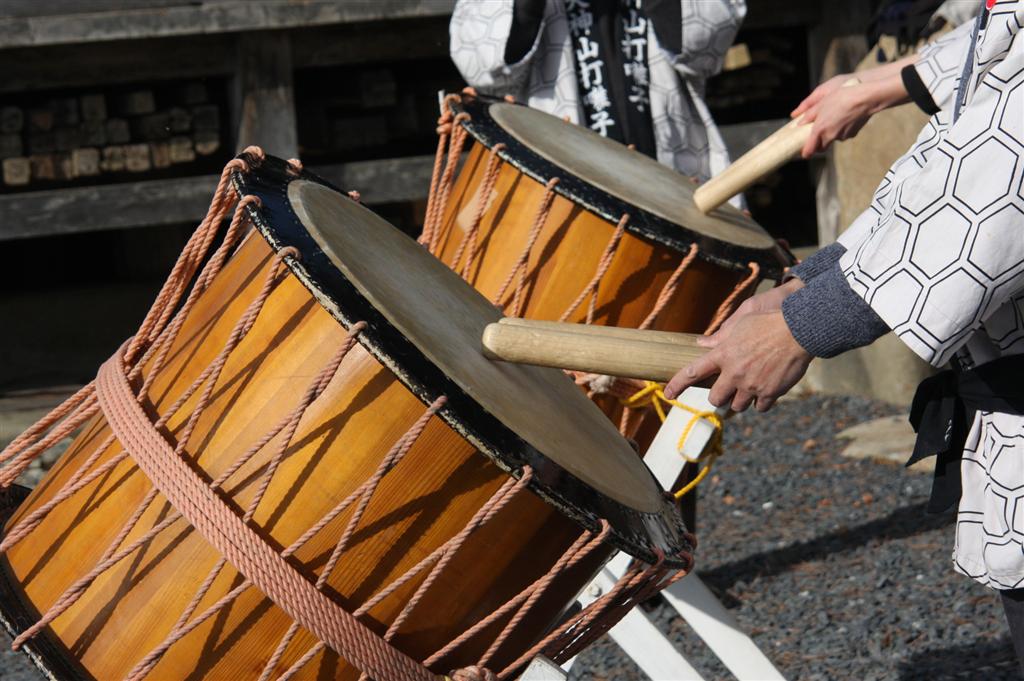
x: 939, y: 255
x: 684, y: 132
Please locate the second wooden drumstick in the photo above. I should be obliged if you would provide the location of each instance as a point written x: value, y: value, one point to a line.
x: 770, y: 154
x: 630, y: 353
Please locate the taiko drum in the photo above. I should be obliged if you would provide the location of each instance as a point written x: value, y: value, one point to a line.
x: 243, y: 378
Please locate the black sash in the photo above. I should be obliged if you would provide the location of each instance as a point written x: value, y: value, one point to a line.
x: 943, y: 410
x: 610, y: 48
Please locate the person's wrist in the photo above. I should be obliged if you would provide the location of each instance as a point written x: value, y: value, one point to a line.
x: 870, y: 97
x: 794, y: 284
x: 882, y: 94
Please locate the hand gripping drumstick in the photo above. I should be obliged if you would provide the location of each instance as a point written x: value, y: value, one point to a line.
x: 630, y: 353
x: 774, y: 151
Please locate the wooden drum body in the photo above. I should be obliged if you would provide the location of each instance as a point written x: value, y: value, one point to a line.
x: 272, y: 402
x: 552, y: 221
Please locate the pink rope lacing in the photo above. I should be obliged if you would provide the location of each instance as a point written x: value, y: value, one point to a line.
x: 241, y: 544
x: 73, y: 593
x: 668, y: 291
x: 451, y: 135
x: 81, y: 406
x: 397, y: 453
x: 444, y: 131
x: 729, y: 304
x: 590, y: 290
x: 468, y: 244
x: 505, y: 494
x: 580, y: 549
x: 577, y: 552
x: 288, y: 426
x: 519, y: 268
x: 87, y: 408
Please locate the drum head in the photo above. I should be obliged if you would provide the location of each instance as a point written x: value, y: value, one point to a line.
x: 425, y: 323
x: 625, y: 174
x: 445, y: 318
x: 610, y: 179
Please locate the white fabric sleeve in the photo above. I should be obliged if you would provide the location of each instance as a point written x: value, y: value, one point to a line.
x: 709, y: 28
x: 859, y: 230
x: 939, y: 64
x: 948, y: 249
x: 478, y: 33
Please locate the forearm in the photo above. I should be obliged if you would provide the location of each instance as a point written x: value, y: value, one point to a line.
x: 886, y: 91
x: 881, y: 87
x: 887, y: 71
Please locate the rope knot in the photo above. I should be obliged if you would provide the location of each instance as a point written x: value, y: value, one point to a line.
x: 601, y: 384
x: 652, y: 394
x: 474, y: 673
x: 248, y: 199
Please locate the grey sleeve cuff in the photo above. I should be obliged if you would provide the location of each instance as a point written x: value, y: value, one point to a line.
x: 818, y: 262
x: 827, y: 318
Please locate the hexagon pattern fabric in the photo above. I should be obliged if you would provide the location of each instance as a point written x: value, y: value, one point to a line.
x: 939, y: 255
x: 685, y: 134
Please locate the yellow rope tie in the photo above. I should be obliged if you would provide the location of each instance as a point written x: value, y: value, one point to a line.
x: 652, y: 394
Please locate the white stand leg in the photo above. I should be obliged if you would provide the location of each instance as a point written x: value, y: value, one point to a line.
x: 636, y: 634
x: 543, y: 669
x: 719, y: 630
x: 694, y: 602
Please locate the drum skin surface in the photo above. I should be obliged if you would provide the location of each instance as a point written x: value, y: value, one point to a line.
x: 625, y: 174
x: 339, y: 443
x: 431, y: 306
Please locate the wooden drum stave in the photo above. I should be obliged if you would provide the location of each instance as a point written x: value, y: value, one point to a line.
x: 352, y: 454
x: 552, y: 221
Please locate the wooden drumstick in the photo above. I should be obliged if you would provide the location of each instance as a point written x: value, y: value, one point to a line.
x: 774, y: 151
x: 631, y: 353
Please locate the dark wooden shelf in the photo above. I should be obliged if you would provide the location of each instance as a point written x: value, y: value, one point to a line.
x: 165, y: 202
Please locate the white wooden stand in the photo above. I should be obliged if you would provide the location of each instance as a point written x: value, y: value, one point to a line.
x: 636, y: 634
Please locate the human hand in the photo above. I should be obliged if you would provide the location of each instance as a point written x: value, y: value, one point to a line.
x: 768, y: 301
x: 838, y: 115
x: 756, y: 363
x: 820, y: 93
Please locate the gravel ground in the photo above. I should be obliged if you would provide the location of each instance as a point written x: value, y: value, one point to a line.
x: 829, y: 563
